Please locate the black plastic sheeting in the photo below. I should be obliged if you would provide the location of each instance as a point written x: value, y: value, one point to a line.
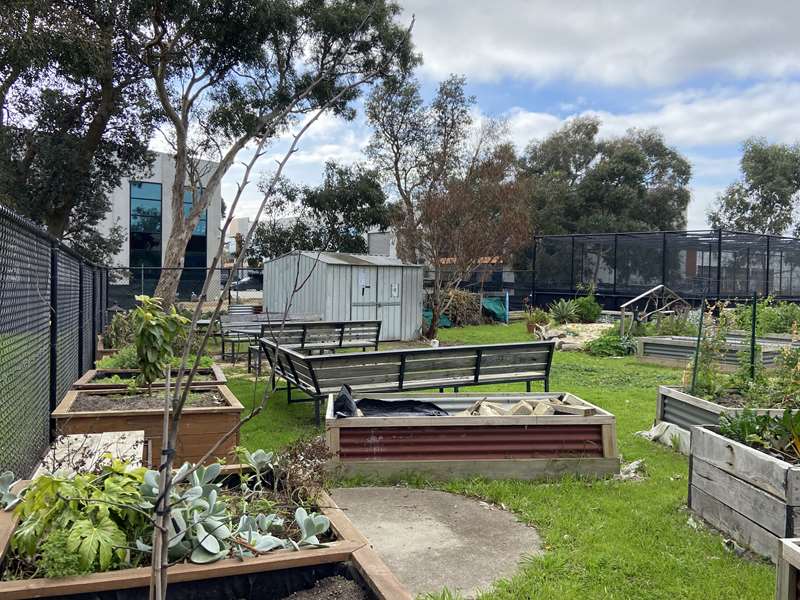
x: 346, y: 406
x: 271, y: 585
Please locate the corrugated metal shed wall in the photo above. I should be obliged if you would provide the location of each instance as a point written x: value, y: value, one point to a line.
x: 333, y: 288
x: 279, y: 281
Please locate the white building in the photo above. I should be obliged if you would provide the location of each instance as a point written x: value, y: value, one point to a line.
x: 142, y: 206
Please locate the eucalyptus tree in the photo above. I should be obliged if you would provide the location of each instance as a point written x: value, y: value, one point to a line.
x: 764, y: 199
x: 227, y: 73
x: 75, y: 113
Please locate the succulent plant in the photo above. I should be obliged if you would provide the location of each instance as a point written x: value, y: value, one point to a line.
x: 8, y: 499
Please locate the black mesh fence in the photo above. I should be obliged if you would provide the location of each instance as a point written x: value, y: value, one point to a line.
x: 620, y: 266
x: 46, y: 335
x: 247, y: 286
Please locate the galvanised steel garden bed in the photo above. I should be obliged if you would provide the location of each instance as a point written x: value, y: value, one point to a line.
x: 678, y: 351
x: 109, y: 379
x: 200, y: 427
x: 675, y: 405
x: 581, y: 442
x: 270, y: 576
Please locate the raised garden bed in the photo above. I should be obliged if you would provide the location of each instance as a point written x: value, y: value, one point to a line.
x: 581, y: 441
x: 680, y: 408
x: 787, y: 585
x: 678, y: 351
x: 95, y: 411
x: 745, y: 493
x: 276, y: 575
x: 116, y: 379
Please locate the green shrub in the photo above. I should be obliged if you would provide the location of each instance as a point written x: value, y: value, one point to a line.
x: 587, y: 308
x: 771, y: 316
x: 119, y: 332
x: 563, y: 311
x: 127, y: 358
x: 611, y: 344
x: 56, y: 560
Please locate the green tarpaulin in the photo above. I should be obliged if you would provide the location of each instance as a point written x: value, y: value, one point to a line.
x: 495, y: 307
x: 444, y: 321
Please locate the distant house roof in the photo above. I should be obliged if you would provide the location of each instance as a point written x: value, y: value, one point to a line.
x: 362, y: 260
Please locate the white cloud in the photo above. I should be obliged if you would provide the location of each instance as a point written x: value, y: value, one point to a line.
x: 612, y: 42
x: 722, y: 116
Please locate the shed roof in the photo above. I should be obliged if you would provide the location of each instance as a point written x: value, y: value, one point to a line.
x: 360, y: 260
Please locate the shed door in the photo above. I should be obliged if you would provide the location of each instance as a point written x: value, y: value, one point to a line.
x: 364, y: 293
x: 390, y: 294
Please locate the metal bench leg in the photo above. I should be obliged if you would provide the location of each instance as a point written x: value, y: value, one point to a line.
x: 441, y: 390
x: 546, y: 385
x: 222, y: 339
x: 288, y: 391
x: 249, y: 358
x: 455, y: 389
x: 316, y: 411
x: 527, y: 386
x: 258, y: 363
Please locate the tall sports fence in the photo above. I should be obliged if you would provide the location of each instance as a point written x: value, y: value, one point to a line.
x: 712, y: 263
x: 52, y: 307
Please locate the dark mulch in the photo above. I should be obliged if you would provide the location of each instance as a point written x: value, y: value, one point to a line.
x: 122, y: 401
x: 332, y: 588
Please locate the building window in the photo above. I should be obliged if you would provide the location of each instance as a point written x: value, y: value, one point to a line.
x: 196, y: 255
x: 145, y: 232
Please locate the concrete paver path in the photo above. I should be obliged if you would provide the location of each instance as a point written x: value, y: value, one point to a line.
x: 433, y: 539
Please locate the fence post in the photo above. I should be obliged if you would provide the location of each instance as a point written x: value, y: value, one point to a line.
x: 664, y: 258
x: 697, y: 345
x: 719, y: 262
x: 533, y: 274
x: 81, y: 320
x: 766, y: 269
x: 614, y: 285
x: 753, y: 338
x: 53, y: 325
x: 97, y: 282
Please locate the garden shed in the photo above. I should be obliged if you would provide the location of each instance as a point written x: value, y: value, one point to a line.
x: 348, y: 287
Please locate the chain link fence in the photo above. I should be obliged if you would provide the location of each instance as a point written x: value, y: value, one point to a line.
x: 52, y: 307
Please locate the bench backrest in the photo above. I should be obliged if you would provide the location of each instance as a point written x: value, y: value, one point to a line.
x: 323, y: 334
x: 414, y: 369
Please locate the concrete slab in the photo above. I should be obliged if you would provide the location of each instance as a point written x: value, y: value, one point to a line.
x: 433, y: 539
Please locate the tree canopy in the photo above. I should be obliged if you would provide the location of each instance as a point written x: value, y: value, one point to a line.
x: 583, y: 184
x: 763, y: 199
x: 334, y: 216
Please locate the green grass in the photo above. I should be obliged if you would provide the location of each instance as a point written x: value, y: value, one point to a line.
x: 603, y: 539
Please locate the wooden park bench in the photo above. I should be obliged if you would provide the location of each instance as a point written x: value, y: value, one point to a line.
x: 415, y: 369
x: 316, y: 336
x: 237, y: 329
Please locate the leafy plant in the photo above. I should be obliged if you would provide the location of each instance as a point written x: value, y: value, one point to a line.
x: 587, y: 308
x: 155, y: 331
x: 779, y: 436
x: 127, y: 358
x: 119, y: 332
x: 563, y: 311
x: 99, y: 511
x: 56, y: 559
x: 8, y: 499
x: 771, y: 316
x: 611, y: 344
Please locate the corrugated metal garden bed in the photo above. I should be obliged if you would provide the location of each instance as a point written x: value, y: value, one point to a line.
x: 678, y: 351
x: 497, y: 447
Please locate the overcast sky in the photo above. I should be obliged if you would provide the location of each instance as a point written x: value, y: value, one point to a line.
x: 708, y: 74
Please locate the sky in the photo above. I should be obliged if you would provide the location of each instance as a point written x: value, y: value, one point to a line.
x: 708, y: 74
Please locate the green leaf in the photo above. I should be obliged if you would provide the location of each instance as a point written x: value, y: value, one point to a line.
x: 93, y: 542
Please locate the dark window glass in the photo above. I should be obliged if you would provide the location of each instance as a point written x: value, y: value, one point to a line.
x: 145, y: 231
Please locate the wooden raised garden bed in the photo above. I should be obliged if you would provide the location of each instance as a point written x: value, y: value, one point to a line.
x: 747, y: 494
x: 99, y: 379
x: 201, y: 426
x: 685, y: 410
x: 581, y: 441
x: 678, y: 351
x: 787, y: 585
x: 281, y: 571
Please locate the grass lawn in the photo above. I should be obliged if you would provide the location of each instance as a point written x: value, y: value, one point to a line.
x: 604, y: 539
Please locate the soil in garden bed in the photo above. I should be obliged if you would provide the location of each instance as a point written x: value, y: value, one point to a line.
x: 142, y: 401
x: 332, y: 588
